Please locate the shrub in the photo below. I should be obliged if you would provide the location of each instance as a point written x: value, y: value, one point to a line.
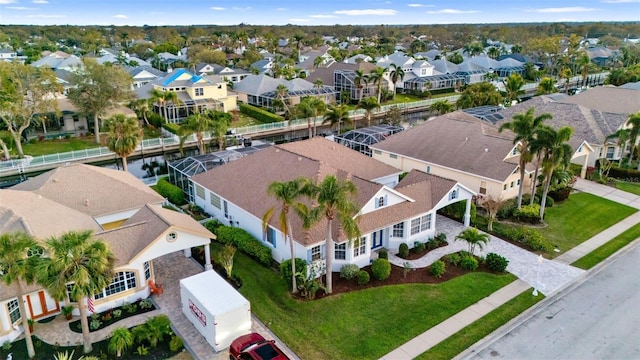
x: 381, y: 269
x: 507, y: 209
x: 529, y: 237
x: 173, y: 193
x: 246, y: 243
x: 6, y: 346
x: 362, y: 277
x: 175, y: 344
x: 213, y: 225
x: 117, y: 313
x: 468, y: 262
x: 453, y: 259
x: 437, y: 269
x: 172, y: 128
x: 142, y: 350
x: 260, y: 115
x: 349, y: 271
x: 457, y: 210
x: 146, y: 304
x: 528, y: 213
x: 496, y: 262
x: 383, y: 254
x: 403, y: 252
x: 419, y: 246
x: 94, y: 324
x: 441, y: 238
x: 550, y: 202
x: 285, y: 270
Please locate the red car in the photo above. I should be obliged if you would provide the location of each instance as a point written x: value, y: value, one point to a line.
x: 254, y: 347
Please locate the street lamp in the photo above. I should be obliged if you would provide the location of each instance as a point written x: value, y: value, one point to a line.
x: 537, y: 284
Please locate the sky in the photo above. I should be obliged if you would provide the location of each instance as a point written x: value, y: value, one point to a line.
x: 310, y: 12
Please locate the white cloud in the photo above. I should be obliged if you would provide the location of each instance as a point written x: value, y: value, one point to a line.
x: 120, y: 16
x: 241, y: 8
x: 563, y: 9
x: 321, y: 16
x: 415, y: 5
x: 620, y: 1
x: 366, y: 12
x: 452, y: 11
x: 217, y: 8
x: 20, y: 8
x: 46, y: 16
x: 7, y: 2
x: 281, y: 9
x: 40, y: 2
x: 299, y: 20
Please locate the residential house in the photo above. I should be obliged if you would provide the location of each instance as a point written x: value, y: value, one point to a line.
x: 460, y: 147
x: 358, y: 58
x: 344, y: 76
x: 260, y: 90
x: 593, y: 116
x: 69, y: 121
x: 119, y: 209
x: 8, y: 54
x: 58, y: 61
x: 306, y: 62
x: 601, y: 55
x: 229, y: 74
x: 195, y: 94
x: 391, y: 212
x: 144, y: 74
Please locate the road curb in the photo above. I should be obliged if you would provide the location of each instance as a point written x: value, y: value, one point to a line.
x: 514, y: 323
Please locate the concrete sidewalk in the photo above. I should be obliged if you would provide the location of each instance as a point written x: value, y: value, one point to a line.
x: 442, y: 331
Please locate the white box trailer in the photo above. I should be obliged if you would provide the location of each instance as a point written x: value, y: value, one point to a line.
x: 215, y: 308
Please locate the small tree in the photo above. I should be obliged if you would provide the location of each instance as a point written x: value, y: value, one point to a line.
x: 474, y: 238
x: 225, y: 258
x: 492, y: 206
x: 121, y: 340
x: 124, y: 135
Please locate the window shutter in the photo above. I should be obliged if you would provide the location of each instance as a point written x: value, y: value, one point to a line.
x: 309, y: 256
x: 323, y: 251
x: 375, y: 200
x: 386, y: 202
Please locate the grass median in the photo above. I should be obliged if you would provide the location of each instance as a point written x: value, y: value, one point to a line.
x: 596, y: 256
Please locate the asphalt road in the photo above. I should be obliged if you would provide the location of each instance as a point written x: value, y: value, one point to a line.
x: 599, y: 319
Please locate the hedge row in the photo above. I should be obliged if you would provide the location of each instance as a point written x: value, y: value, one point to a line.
x: 172, y: 128
x: 629, y: 175
x: 171, y: 192
x: 260, y: 115
x: 245, y: 242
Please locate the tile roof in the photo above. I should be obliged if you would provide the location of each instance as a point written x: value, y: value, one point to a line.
x: 457, y: 141
x: 68, y: 185
x: 608, y: 99
x: 244, y: 181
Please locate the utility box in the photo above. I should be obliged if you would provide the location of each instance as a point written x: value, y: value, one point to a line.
x: 215, y: 308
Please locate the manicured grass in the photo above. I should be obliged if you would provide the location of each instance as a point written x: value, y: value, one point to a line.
x: 596, y: 256
x: 579, y: 218
x: 362, y: 324
x: 630, y: 187
x: 482, y: 327
x: 57, y: 146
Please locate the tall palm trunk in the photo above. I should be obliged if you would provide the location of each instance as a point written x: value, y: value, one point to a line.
x: 521, y: 187
x: 124, y: 163
x: 309, y: 128
x: 86, y: 336
x: 329, y: 256
x: 543, y: 201
x: 294, y: 285
x: 25, y: 321
x: 534, y: 183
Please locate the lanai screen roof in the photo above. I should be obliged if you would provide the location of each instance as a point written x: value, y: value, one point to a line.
x: 193, y: 165
x: 434, y: 78
x: 369, y: 135
x: 305, y: 92
x: 487, y: 113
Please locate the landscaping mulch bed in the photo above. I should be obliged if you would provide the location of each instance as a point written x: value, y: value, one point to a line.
x: 413, y: 255
x: 397, y: 277
x: 111, y: 319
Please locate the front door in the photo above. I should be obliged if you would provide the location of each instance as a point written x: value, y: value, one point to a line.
x: 41, y: 304
x: 376, y: 239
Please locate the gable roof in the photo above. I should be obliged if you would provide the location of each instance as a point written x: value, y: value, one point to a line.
x: 258, y: 84
x: 68, y: 185
x: 626, y: 101
x: 458, y: 141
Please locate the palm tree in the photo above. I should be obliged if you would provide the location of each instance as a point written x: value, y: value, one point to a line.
x: 317, y: 62
x: 513, y: 87
x: 141, y: 107
x: 376, y: 76
x: 584, y: 63
x: 622, y: 135
x: 162, y: 98
x: 493, y: 52
x: 318, y: 83
x: 396, y: 74
x: 297, y: 40
x: 474, y: 238
x: 121, y: 340
x: 281, y: 92
x: 77, y: 266
x: 473, y: 49
x: 368, y: 105
x: 220, y: 122
x: 287, y: 194
x: 556, y: 153
x: 566, y: 75
x: 360, y: 78
x: 336, y: 201
x: 336, y: 115
x: 124, y: 135
x: 19, y: 256
x: 524, y: 125
x: 197, y: 124
x: 311, y: 107
x: 547, y: 85
x: 633, y: 122
x: 442, y: 107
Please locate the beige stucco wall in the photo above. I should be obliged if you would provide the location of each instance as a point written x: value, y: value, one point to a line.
x: 495, y: 188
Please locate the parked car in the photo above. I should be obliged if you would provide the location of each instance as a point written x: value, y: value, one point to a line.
x: 254, y: 347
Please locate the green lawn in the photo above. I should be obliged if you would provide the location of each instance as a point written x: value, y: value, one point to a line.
x: 579, y: 218
x: 480, y: 328
x: 596, y: 256
x: 57, y: 146
x: 631, y: 187
x: 362, y: 324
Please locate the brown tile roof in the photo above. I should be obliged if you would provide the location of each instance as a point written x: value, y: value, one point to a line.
x: 90, y: 189
x: 36, y: 215
x: 341, y: 157
x: 458, y: 141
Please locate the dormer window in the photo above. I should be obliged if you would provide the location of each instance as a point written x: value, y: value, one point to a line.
x: 381, y: 201
x: 514, y: 151
x: 453, y: 195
